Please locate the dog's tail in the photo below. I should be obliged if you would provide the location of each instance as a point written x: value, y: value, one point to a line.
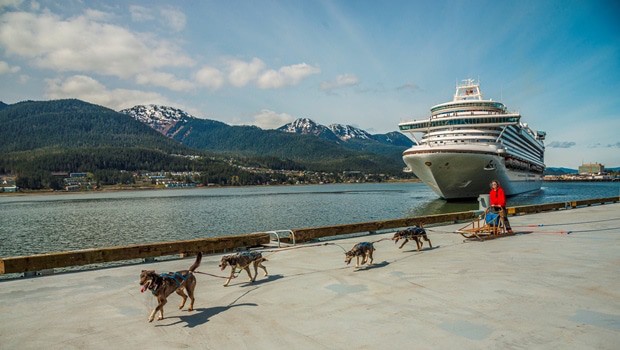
x: 196, y: 263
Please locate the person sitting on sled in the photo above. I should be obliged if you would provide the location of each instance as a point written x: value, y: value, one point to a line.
x: 497, y: 199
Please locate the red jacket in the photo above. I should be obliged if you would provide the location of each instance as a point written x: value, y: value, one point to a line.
x: 497, y: 197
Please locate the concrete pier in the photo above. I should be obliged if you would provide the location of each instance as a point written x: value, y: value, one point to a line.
x: 538, y: 290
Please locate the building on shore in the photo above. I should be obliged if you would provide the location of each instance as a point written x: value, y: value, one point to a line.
x: 591, y: 169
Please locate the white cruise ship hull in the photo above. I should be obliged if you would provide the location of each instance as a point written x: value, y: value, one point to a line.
x: 455, y: 174
x: 469, y: 142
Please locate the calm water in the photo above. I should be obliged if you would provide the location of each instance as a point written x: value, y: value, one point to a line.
x: 46, y: 223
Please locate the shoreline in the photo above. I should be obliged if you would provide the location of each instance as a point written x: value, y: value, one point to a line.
x: 114, y: 188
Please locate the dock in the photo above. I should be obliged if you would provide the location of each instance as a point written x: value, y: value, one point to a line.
x: 554, y: 285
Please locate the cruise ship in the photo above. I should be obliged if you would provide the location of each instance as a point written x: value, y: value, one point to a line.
x: 470, y: 141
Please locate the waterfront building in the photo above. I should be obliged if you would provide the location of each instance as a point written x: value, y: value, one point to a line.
x: 591, y: 169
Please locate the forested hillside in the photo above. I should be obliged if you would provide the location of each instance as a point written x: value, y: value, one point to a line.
x: 33, y: 125
x: 313, y: 151
x: 40, y: 138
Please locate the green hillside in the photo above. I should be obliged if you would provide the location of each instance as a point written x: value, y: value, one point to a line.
x: 34, y: 125
x: 39, y: 138
x: 312, y: 152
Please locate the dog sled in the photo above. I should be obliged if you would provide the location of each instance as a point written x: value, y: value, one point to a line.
x: 490, y: 224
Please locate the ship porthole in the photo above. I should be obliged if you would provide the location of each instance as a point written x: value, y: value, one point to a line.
x: 428, y: 163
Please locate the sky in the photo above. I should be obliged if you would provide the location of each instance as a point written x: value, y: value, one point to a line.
x: 370, y: 64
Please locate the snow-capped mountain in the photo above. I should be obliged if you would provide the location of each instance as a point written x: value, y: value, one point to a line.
x: 347, y: 132
x: 344, y: 133
x: 182, y: 126
x: 160, y: 118
x: 307, y: 126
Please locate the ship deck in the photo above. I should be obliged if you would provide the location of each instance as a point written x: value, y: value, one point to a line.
x: 545, y: 289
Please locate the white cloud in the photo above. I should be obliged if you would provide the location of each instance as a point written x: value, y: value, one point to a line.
x: 267, y: 119
x: 241, y: 73
x: 10, y: 3
x: 286, y: 76
x: 174, y: 18
x: 88, y: 89
x: 90, y: 44
x: 210, y: 77
x: 6, y: 68
x: 141, y: 13
x: 97, y: 15
x: 84, y: 44
x: 166, y: 80
x: 170, y: 16
x: 341, y: 81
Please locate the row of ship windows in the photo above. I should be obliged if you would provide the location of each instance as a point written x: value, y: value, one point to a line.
x: 461, y: 121
x: 525, y: 153
x: 457, y: 141
x: 527, y: 143
x: 489, y: 137
x: 470, y: 134
x: 452, y: 140
x: 497, y: 105
x: 463, y: 113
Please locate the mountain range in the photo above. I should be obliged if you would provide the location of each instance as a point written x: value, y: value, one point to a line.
x: 44, y: 135
x: 331, y: 148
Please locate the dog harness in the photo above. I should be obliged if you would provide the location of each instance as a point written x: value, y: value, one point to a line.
x: 252, y: 255
x: 173, y: 276
x: 415, y: 231
x: 364, y: 245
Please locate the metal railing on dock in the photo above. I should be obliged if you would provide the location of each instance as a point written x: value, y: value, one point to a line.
x: 82, y: 257
x: 45, y: 262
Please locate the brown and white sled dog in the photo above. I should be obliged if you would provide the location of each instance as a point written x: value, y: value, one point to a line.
x: 412, y: 234
x: 363, y: 250
x: 162, y: 285
x: 242, y: 261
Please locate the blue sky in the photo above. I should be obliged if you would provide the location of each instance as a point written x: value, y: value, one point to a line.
x: 371, y: 64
